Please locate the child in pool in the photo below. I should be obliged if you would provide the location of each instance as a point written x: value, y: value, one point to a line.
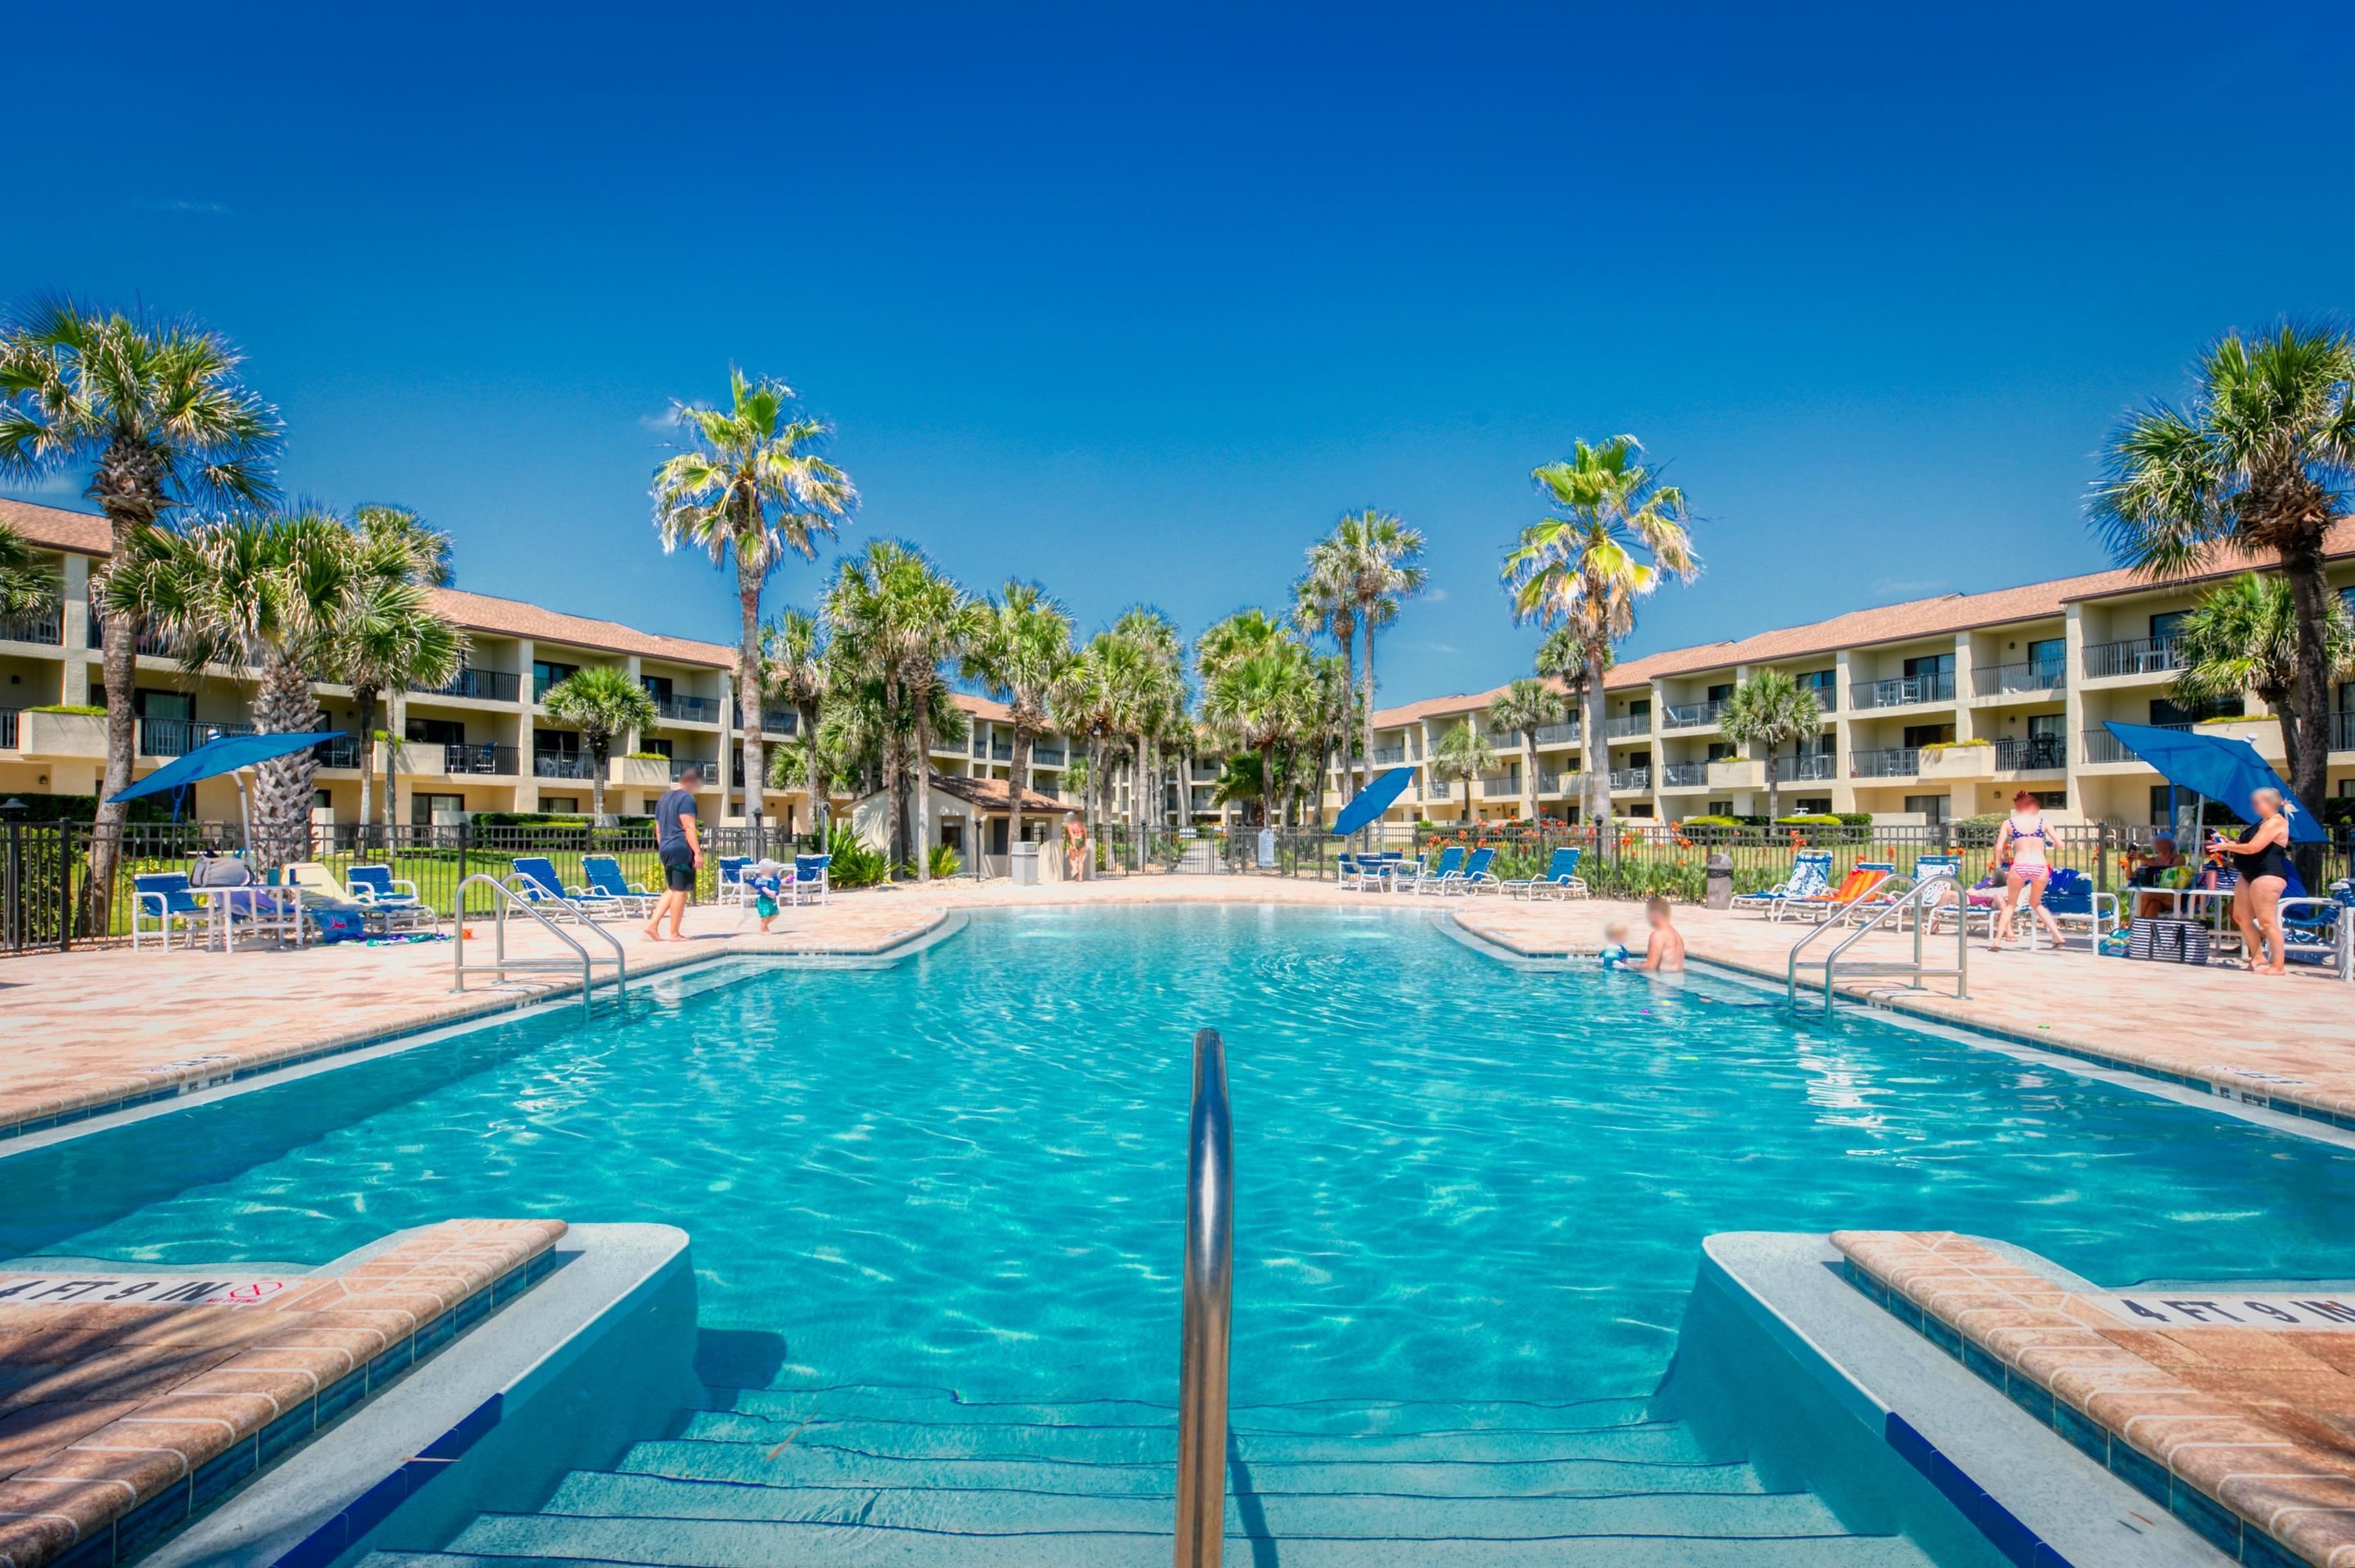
x: 1615, y: 945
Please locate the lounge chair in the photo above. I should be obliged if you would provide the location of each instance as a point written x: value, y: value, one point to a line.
x: 1862, y: 881
x: 534, y: 880
x: 2317, y: 929
x: 606, y: 882
x: 392, y: 898
x: 810, y: 876
x: 161, y: 904
x: 731, y: 877
x: 1561, y: 878
x: 1810, y: 878
x: 1475, y: 877
x: 1434, y: 873
x: 2071, y: 899
x: 335, y: 914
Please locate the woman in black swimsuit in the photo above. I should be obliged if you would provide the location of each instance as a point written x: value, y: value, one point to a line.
x: 2262, y: 851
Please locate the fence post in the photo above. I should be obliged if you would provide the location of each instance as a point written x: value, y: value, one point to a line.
x: 2102, y: 857
x: 15, y: 892
x: 65, y: 888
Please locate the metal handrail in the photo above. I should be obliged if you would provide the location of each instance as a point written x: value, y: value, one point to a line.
x: 1914, y: 898
x: 1209, y: 1308
x: 501, y: 964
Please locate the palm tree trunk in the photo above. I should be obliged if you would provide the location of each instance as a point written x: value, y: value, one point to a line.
x: 809, y: 736
x: 282, y: 785
x: 2309, y: 590
x: 1267, y: 785
x: 1365, y: 710
x: 365, y: 697
x: 1530, y: 775
x: 1598, y: 750
x: 923, y: 786
x: 597, y: 769
x: 1349, y: 784
x: 748, y: 699
x: 121, y: 668
x: 1017, y: 779
x: 1773, y: 788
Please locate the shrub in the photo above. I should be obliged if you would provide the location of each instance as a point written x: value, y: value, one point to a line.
x: 946, y: 863
x: 852, y: 864
x: 84, y: 808
x: 87, y: 710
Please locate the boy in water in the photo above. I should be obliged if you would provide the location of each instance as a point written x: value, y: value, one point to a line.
x: 1615, y: 947
x: 1665, y: 953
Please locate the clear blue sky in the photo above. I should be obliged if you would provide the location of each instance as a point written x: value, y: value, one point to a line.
x: 1136, y: 307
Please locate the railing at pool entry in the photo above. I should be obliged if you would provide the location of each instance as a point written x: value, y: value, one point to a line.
x: 1209, y: 1286
x: 507, y: 897
x: 1922, y: 900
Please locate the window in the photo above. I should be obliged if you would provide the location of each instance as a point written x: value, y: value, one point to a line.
x: 437, y: 732
x: 562, y: 742
x: 1721, y: 751
x: 2162, y: 806
x: 181, y: 705
x: 1720, y: 807
x: 1640, y: 707
x: 657, y: 687
x: 656, y: 745
x: 1718, y: 693
x: 2052, y: 800
x: 425, y: 810
x: 1931, y: 665
x: 1639, y: 759
x: 2049, y: 654
x: 1933, y: 808
x: 1813, y: 805
x: 2165, y: 712
x: 2166, y: 625
x: 545, y: 673
x: 1920, y: 735
x: 1819, y: 681
x: 2047, y: 727
x: 1640, y: 809
x: 560, y: 802
x: 323, y: 800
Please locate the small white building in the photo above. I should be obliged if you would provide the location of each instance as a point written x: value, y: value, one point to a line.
x: 970, y: 815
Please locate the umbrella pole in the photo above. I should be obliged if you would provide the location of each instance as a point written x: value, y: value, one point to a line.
x: 244, y: 816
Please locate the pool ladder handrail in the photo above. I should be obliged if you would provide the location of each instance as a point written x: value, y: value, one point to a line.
x: 1915, y: 897
x: 508, y: 897
x: 1210, y: 1290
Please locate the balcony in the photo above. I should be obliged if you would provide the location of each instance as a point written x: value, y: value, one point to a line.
x: 1205, y: 773
x: 1553, y: 783
x: 482, y: 685
x: 2342, y: 730
x: 1497, y: 785
x: 1390, y: 756
x: 1886, y: 762
x: 1627, y: 724
x: 2038, y: 753
x: 1692, y: 715
x: 1684, y: 776
x: 2023, y: 679
x: 1812, y: 767
x: 344, y: 752
x: 47, y: 627
x: 697, y: 710
x: 1558, y: 733
x: 993, y: 750
x: 702, y: 765
x: 2101, y: 745
x: 2136, y: 656
x: 1045, y: 756
x: 178, y: 738
x: 8, y: 731
x: 1903, y: 691
x: 561, y: 765
x: 1435, y: 790
x: 1631, y: 778
x: 480, y: 759
x: 149, y: 644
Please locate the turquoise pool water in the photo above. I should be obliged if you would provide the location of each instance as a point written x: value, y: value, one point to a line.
x: 1456, y: 1179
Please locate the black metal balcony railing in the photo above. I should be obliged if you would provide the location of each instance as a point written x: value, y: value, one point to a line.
x: 1683, y: 774
x: 1815, y: 765
x: 1435, y: 790
x: 1631, y: 778
x: 8, y: 741
x: 2036, y: 754
x: 1558, y: 733
x: 178, y: 737
x: 484, y: 758
x: 1627, y: 723
x: 1052, y: 757
x: 1903, y: 691
x: 992, y: 750
x: 47, y: 626
x: 2030, y: 675
x: 149, y: 643
x: 702, y: 765
x: 486, y: 686
x: 1886, y: 762
x: 693, y: 710
x: 2101, y: 745
x: 1827, y: 695
x: 1692, y: 715
x: 2134, y: 656
x: 344, y: 751
x: 561, y: 765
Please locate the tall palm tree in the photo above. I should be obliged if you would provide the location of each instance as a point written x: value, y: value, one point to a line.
x: 605, y: 704
x: 1021, y: 652
x: 1260, y: 700
x: 2243, y: 637
x: 1462, y: 753
x: 795, y: 670
x: 1386, y: 556
x: 1329, y: 725
x: 1561, y: 657
x: 1527, y: 706
x: 1084, y: 706
x: 1326, y: 600
x: 2254, y: 465
x: 158, y: 410
x: 393, y: 638
x: 749, y: 492
x: 1619, y: 530
x: 28, y: 583
x: 269, y: 591
x: 1765, y: 710
x: 1151, y: 698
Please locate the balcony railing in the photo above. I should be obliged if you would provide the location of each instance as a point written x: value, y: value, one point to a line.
x: 1493, y: 785
x: 483, y: 759
x: 1903, y: 691
x: 150, y: 642
x: 8, y: 741
x: 2029, y: 675
x: 1388, y: 755
x: 2136, y: 656
x: 2101, y: 745
x: 1205, y: 773
x: 1558, y: 733
x: 1435, y: 790
x: 44, y: 626
x: 997, y: 750
x: 1827, y: 695
x: 1631, y: 778
x: 561, y: 765
x: 2342, y: 730
x: 344, y: 751
x: 698, y: 710
x: 1691, y: 715
x: 1043, y: 755
x: 703, y: 765
x: 1552, y: 783
x: 771, y: 723
x: 178, y: 738
x: 485, y: 685
x: 1677, y: 775
x: 1815, y: 765
x: 2036, y: 754
x: 1627, y: 723
x: 1886, y: 762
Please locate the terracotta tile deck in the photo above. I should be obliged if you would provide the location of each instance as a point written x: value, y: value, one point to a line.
x: 124, y: 1418
x: 2245, y: 1426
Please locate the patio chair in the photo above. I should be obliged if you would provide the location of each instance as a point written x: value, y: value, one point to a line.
x: 1811, y: 875
x: 1475, y: 877
x: 606, y: 882
x: 1434, y: 873
x: 2320, y: 928
x: 2071, y: 898
x: 731, y: 877
x: 1861, y: 882
x: 1561, y: 878
x: 810, y: 876
x: 331, y: 911
x: 534, y: 880
x: 392, y: 899
x: 161, y: 903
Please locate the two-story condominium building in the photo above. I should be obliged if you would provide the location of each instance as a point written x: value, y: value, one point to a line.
x: 480, y: 743
x: 1933, y: 709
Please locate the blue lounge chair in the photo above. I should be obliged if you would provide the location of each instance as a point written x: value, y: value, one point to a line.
x: 392, y: 897
x: 534, y: 880
x: 2317, y: 929
x: 1561, y: 878
x: 1811, y: 873
x: 731, y: 877
x: 163, y: 903
x: 606, y: 883
x: 2071, y: 898
x: 1433, y: 873
x: 810, y: 876
x: 1474, y: 876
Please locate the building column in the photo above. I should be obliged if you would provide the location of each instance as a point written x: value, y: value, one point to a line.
x: 726, y: 769
x: 73, y: 670
x: 2072, y: 709
x: 526, y: 787
x: 1843, y: 784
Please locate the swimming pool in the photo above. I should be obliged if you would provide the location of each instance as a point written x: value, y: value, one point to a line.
x: 1458, y: 1184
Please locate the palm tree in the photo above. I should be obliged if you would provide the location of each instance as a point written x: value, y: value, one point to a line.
x: 1021, y: 652
x: 1462, y: 753
x: 604, y: 706
x: 748, y: 492
x: 1385, y: 554
x: 27, y: 585
x: 1329, y: 725
x: 797, y: 672
x: 1259, y: 700
x: 1768, y: 709
x: 157, y: 407
x: 393, y: 638
x: 1619, y: 530
x: 2243, y: 637
x: 1150, y: 687
x: 269, y: 589
x: 1526, y: 706
x: 1083, y: 707
x: 1325, y: 600
x: 1561, y: 657
x: 2254, y: 465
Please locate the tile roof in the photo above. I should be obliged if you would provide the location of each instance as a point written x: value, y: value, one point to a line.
x: 514, y: 618
x: 993, y: 794
x: 53, y: 528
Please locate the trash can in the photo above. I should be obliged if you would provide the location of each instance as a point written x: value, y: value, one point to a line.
x: 1719, y: 891
x: 1025, y: 865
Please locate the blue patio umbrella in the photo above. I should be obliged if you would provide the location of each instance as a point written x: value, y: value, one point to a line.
x: 2216, y: 768
x: 226, y: 754
x: 1370, y: 802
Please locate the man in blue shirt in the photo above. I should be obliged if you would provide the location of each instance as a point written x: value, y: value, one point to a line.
x: 681, y: 845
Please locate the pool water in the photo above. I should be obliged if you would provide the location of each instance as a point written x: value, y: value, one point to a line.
x: 1456, y: 1180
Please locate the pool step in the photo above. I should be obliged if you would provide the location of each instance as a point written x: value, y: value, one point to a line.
x: 814, y: 1478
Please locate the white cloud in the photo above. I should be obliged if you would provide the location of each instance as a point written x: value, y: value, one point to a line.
x: 1434, y: 596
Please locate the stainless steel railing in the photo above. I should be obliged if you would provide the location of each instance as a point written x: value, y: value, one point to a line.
x: 1209, y: 1286
x: 1922, y: 900
x: 500, y: 964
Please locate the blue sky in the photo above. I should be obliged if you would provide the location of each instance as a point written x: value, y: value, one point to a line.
x: 1137, y: 305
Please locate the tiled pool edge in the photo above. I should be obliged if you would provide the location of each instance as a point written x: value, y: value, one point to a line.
x: 2037, y: 1509
x: 943, y: 925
